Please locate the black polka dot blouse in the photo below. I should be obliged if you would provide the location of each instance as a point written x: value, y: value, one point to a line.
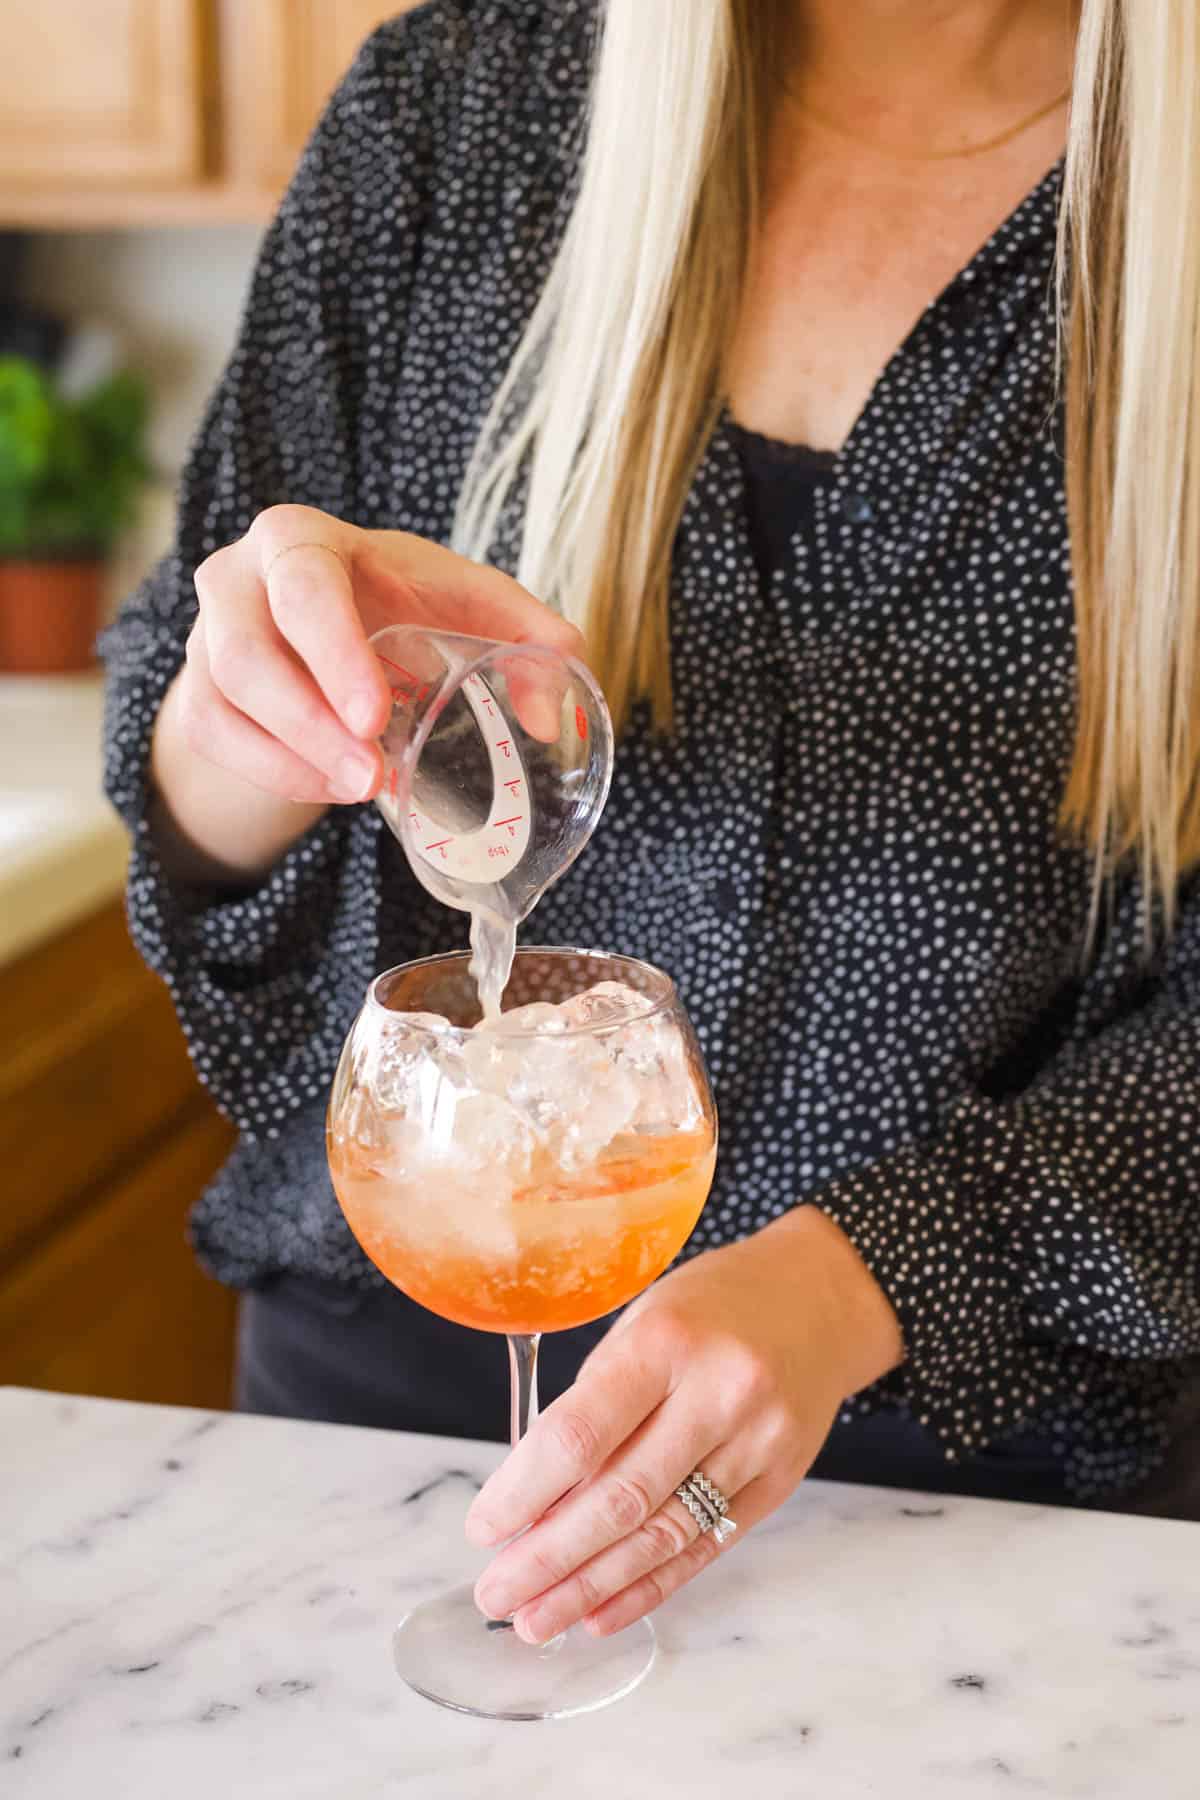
x: 847, y: 853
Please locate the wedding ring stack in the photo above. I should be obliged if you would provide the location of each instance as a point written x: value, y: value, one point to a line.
x: 707, y: 1505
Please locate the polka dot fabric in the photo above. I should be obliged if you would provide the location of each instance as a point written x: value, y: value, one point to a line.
x: 846, y: 853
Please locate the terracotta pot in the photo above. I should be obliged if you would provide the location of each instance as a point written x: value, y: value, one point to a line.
x: 49, y: 616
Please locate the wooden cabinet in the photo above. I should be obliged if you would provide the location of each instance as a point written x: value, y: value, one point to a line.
x: 106, y: 1139
x: 125, y: 112
x: 107, y: 93
x: 283, y: 59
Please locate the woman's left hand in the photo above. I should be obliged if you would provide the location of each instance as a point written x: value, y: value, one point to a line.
x: 735, y: 1363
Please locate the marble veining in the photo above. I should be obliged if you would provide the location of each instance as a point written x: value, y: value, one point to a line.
x: 200, y: 1605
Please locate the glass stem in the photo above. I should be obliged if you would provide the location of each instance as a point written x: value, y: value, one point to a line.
x: 522, y: 1363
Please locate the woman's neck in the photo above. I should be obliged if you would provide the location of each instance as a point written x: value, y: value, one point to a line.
x: 892, y: 158
x: 896, y: 68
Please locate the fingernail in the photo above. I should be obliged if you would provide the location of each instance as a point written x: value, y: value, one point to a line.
x: 542, y: 716
x: 529, y: 1631
x: 479, y: 1532
x: 492, y: 1599
x: 353, y: 778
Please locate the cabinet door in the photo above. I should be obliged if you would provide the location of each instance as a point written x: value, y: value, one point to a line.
x: 106, y: 1139
x: 93, y: 1066
x: 114, y: 1303
x: 102, y: 93
x: 281, y: 60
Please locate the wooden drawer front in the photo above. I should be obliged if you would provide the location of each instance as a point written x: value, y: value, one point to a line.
x: 92, y: 1063
x: 114, y: 1302
x: 101, y: 91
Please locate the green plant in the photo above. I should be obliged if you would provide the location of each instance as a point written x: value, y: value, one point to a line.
x: 70, y: 469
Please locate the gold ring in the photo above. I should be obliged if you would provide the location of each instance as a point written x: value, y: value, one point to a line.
x: 306, y: 544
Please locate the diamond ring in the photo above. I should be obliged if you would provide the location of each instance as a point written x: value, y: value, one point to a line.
x: 707, y: 1505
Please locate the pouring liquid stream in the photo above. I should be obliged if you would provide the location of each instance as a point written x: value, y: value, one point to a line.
x: 493, y: 946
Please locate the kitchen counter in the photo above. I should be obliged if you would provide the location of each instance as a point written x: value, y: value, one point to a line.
x: 62, y: 849
x: 196, y: 1604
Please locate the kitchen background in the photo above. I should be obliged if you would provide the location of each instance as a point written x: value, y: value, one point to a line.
x: 143, y: 145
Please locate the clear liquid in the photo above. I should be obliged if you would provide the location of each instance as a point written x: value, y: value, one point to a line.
x: 493, y: 946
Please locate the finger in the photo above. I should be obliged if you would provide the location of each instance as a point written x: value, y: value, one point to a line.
x: 660, y: 1539
x: 571, y: 1440
x: 623, y: 1502
x: 310, y: 595
x: 755, y: 1502
x: 538, y: 687
x: 426, y: 585
x: 215, y: 730
x: 252, y: 669
x: 401, y: 578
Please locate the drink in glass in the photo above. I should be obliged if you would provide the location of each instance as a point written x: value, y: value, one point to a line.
x: 522, y: 1174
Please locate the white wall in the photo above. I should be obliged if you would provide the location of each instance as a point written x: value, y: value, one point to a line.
x: 175, y: 297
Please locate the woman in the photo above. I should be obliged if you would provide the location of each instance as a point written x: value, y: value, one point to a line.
x: 720, y: 371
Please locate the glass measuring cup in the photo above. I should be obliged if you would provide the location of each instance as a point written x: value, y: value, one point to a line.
x: 497, y: 761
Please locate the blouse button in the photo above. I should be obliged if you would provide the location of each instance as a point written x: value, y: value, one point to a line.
x: 857, y: 509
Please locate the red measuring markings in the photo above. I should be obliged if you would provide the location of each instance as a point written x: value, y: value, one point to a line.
x: 497, y: 849
x: 512, y: 787
x: 490, y: 706
x: 416, y: 689
x: 581, y: 721
x: 440, y: 845
x: 504, y: 744
x: 509, y: 823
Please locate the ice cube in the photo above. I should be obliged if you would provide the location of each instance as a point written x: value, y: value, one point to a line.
x: 555, y: 1080
x: 494, y: 1051
x: 484, y: 1220
x: 608, y: 1003
x: 612, y: 1102
x: 576, y: 1090
x: 403, y: 1149
x: 543, y: 1073
x: 488, y: 1068
x: 654, y: 1054
x: 490, y: 1134
x: 410, y: 1057
x: 538, y: 1016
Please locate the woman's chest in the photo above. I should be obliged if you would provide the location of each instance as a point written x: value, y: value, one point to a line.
x: 850, y: 252
x: 879, y: 735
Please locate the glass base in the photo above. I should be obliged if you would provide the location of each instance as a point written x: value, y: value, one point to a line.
x: 446, y: 1650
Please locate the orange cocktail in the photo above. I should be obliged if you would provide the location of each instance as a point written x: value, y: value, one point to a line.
x: 523, y: 1172
x: 563, y: 1248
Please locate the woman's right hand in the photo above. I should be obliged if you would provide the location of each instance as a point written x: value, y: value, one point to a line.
x: 281, y: 693
x: 281, y: 687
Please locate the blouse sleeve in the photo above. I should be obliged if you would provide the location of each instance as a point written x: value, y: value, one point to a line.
x: 1040, y: 1241
x: 265, y: 982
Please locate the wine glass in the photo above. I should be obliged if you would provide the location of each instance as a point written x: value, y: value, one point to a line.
x: 523, y: 1176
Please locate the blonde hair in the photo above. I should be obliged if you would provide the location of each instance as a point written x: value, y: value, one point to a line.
x: 1129, y: 288
x: 614, y: 387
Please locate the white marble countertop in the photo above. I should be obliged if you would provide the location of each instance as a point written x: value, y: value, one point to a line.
x: 62, y: 848
x: 200, y: 1604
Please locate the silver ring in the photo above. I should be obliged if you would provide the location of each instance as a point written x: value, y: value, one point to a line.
x: 707, y: 1505
x: 697, y: 1508
x: 710, y: 1493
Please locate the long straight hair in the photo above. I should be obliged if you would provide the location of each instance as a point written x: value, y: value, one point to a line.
x: 615, y: 385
